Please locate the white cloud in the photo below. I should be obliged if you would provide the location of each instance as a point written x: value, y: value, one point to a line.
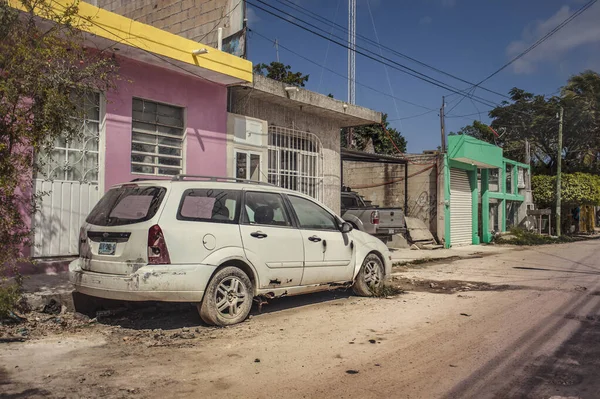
x: 448, y: 3
x: 582, y: 31
x: 252, y: 16
x: 426, y: 20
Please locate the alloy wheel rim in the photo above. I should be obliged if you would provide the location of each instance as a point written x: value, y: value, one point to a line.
x: 373, y: 274
x: 231, y: 295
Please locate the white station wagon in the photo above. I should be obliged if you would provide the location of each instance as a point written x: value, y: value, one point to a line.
x: 219, y: 243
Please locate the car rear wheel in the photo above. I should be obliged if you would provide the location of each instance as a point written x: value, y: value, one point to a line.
x: 228, y: 298
x: 370, y: 276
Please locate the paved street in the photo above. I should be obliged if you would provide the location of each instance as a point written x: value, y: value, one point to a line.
x: 534, y: 333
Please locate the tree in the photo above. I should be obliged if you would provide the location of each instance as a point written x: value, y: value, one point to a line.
x: 381, y: 140
x: 478, y: 130
x: 532, y: 117
x: 282, y: 73
x: 41, y: 72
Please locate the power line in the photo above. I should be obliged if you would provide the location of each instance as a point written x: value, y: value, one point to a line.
x: 328, y: 44
x: 339, y: 74
x: 541, y: 40
x: 311, y: 14
x: 413, y: 116
x: 219, y: 21
x: 387, y: 74
x: 396, y: 65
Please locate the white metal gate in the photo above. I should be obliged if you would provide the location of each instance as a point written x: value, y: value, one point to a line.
x: 461, y: 208
x: 296, y: 161
x: 69, y: 186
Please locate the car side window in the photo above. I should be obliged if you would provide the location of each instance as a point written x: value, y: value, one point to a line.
x: 348, y: 202
x: 208, y: 205
x: 312, y: 216
x: 266, y: 209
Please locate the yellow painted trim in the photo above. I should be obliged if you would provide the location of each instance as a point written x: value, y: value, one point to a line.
x: 136, y: 34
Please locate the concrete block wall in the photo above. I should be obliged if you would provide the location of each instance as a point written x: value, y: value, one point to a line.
x: 422, y: 188
x: 196, y: 20
x: 327, y: 130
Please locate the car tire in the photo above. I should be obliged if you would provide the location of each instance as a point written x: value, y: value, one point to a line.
x: 228, y: 298
x: 370, y: 277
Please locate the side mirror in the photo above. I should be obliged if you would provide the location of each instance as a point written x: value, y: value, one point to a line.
x: 346, y: 227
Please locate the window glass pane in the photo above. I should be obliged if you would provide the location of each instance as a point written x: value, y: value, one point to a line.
x: 169, y: 161
x: 142, y: 158
x: 169, y: 151
x: 147, y: 134
x: 312, y: 216
x: 240, y: 165
x: 266, y: 209
x: 168, y: 172
x: 254, y: 167
x: 142, y: 169
x: 144, y: 116
x: 209, y: 205
x: 146, y: 138
x: 169, y: 141
x: 169, y: 121
x: 174, y: 131
x: 142, y: 147
x: 144, y: 127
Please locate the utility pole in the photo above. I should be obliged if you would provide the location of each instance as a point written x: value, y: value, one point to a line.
x: 352, y: 52
x: 443, y: 124
x: 277, y: 48
x: 558, y: 170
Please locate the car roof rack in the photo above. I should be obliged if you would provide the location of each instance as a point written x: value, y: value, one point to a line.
x: 221, y: 179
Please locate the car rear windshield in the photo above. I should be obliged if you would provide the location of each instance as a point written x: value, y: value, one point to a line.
x: 127, y: 205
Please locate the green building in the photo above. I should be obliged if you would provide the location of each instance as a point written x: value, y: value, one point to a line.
x: 483, y: 191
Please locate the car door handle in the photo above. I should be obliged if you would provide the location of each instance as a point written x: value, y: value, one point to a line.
x: 258, y: 234
x: 314, y: 239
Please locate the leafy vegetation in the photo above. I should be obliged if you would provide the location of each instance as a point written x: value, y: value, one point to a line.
x: 40, y: 70
x: 282, y: 73
x: 523, y: 237
x: 534, y: 117
x: 576, y: 189
x: 377, y: 134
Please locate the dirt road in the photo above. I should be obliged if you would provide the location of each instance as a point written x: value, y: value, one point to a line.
x: 534, y: 332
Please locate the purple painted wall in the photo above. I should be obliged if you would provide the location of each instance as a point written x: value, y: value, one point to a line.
x: 205, y: 106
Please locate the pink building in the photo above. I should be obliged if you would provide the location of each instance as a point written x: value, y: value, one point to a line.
x: 167, y: 116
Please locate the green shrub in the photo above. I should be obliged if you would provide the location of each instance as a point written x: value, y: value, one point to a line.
x: 527, y: 238
x: 576, y: 189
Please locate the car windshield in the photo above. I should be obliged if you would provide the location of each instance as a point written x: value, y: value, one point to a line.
x: 127, y: 205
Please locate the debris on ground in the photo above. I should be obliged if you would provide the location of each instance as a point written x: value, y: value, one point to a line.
x: 52, y: 307
x: 352, y: 371
x: 465, y: 314
x: 445, y: 286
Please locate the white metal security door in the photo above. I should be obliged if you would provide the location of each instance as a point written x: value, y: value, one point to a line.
x: 69, y: 184
x: 461, y: 208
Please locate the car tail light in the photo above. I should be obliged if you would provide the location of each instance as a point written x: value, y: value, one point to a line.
x: 158, y: 254
x: 375, y: 217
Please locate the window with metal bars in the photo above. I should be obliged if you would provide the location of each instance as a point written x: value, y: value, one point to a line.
x: 156, y: 138
x: 75, y: 158
x: 296, y: 161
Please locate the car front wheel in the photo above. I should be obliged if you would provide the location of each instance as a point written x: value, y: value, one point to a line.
x: 370, y: 276
x: 228, y: 298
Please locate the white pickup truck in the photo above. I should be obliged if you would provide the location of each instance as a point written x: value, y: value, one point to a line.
x: 380, y: 222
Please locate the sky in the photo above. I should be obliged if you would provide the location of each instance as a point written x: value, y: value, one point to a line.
x: 469, y: 39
